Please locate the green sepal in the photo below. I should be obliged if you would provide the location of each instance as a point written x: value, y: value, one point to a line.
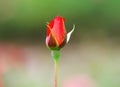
x: 55, y: 54
x: 56, y: 48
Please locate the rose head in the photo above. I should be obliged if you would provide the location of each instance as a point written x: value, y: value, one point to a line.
x: 57, y: 36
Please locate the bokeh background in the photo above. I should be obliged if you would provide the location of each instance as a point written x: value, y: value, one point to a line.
x: 91, y: 59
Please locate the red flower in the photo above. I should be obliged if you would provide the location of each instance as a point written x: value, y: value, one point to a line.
x: 56, y: 33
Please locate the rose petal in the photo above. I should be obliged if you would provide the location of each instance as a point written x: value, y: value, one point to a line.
x: 69, y: 34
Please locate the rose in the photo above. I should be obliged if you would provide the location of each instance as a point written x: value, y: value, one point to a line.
x: 57, y: 36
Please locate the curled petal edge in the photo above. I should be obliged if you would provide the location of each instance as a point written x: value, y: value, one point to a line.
x: 69, y: 34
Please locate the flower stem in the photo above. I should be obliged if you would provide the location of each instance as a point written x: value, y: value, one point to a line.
x: 56, y: 73
x: 55, y: 55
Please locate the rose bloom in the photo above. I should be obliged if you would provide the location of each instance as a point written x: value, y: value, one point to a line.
x: 56, y: 33
x: 57, y: 36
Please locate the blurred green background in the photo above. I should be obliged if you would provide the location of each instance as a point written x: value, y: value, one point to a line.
x: 27, y: 18
x: 93, y: 51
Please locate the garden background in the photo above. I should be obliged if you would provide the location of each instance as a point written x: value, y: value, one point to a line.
x: 90, y: 59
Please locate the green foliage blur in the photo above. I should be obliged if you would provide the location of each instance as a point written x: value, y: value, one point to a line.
x: 26, y: 19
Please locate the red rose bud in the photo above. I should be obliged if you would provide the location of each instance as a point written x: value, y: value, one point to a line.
x: 56, y: 34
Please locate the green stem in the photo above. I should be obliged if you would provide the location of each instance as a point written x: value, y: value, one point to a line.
x: 56, y: 74
x: 55, y: 55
